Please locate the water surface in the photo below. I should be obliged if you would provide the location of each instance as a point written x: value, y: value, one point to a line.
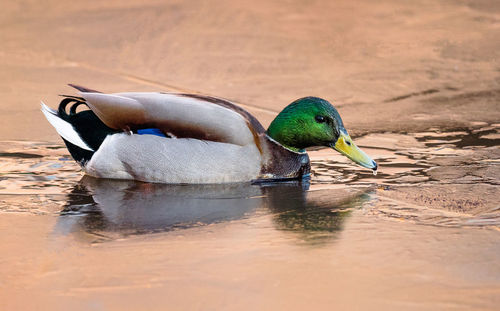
x: 422, y: 234
x: 420, y: 77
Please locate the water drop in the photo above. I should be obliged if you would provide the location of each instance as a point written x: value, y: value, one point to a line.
x: 374, y: 172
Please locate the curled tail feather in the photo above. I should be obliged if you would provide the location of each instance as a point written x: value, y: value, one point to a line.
x: 63, y: 127
x: 82, y: 132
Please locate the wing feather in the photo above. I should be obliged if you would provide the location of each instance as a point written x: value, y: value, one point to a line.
x: 182, y: 116
x: 117, y: 112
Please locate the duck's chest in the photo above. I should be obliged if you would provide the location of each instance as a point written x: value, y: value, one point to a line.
x: 279, y: 162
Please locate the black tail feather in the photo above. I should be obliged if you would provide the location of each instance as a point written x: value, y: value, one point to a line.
x: 61, y: 111
x: 92, y: 130
x: 80, y: 155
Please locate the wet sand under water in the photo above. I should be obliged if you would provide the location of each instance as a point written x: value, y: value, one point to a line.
x: 422, y: 234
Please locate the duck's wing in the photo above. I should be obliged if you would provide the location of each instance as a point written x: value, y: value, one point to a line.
x: 179, y: 115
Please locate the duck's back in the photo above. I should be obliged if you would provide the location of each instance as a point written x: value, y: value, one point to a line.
x: 180, y: 115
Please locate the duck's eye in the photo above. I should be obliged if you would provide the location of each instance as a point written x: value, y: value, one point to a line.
x: 320, y: 119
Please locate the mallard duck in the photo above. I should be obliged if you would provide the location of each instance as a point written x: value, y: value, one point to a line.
x: 188, y: 138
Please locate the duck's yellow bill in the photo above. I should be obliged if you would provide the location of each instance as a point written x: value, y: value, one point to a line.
x: 346, y: 146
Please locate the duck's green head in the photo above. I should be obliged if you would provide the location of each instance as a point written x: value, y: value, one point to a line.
x: 312, y: 121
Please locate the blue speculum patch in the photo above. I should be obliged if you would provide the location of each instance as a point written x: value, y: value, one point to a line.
x: 153, y: 131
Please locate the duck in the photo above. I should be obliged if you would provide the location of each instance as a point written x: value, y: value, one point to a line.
x: 178, y: 138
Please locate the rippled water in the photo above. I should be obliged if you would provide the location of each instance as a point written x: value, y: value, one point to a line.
x: 436, y: 195
x: 442, y: 178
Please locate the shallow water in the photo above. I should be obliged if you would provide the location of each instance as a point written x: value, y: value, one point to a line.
x: 422, y: 234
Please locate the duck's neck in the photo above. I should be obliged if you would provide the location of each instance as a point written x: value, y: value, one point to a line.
x: 281, y: 132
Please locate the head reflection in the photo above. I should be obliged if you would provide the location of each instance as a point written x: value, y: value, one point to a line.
x: 313, y: 216
x: 108, y: 208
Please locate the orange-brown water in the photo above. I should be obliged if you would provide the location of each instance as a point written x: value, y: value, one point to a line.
x: 416, y: 83
x: 422, y: 234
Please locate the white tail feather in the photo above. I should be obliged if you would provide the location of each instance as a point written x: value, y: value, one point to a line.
x: 64, y: 128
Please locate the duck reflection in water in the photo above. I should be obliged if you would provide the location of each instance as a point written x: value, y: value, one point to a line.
x: 111, y: 208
